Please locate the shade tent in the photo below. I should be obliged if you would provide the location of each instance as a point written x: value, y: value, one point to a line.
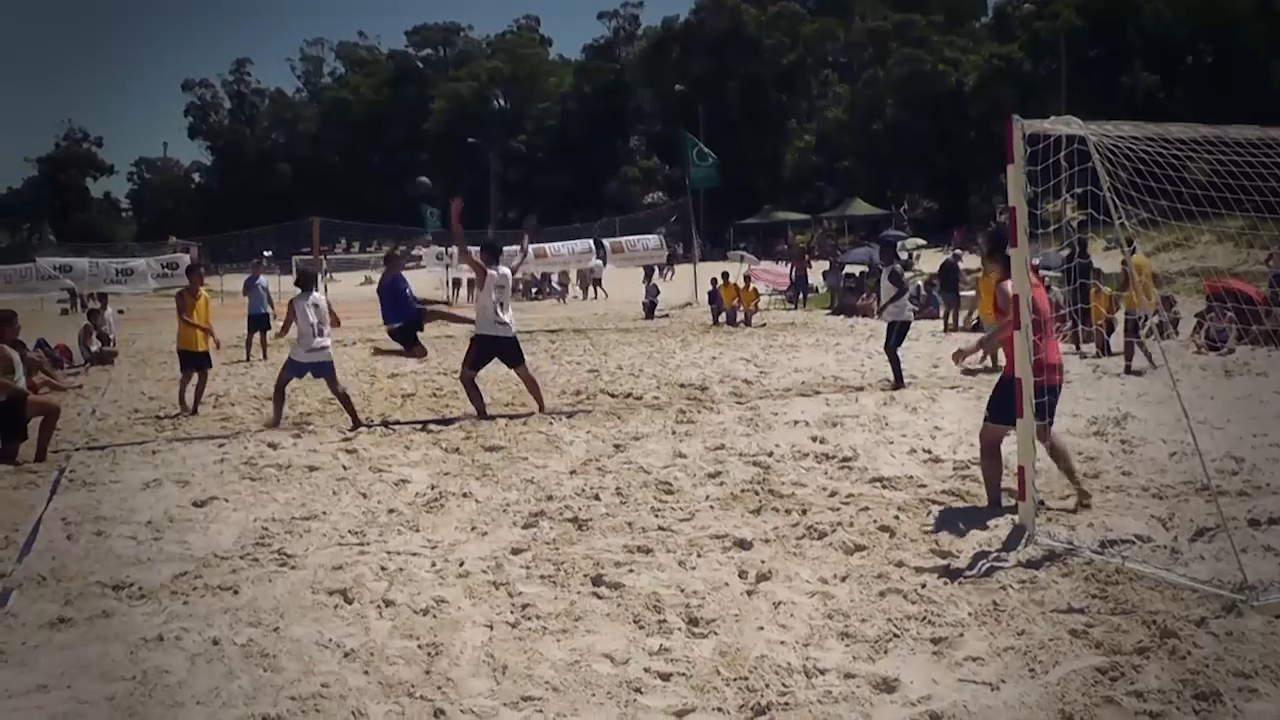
x: 769, y: 216
x: 854, y: 208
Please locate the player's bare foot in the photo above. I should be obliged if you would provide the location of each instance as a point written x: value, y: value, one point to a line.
x: 1084, y: 500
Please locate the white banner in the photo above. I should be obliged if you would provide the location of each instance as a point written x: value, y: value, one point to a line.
x: 54, y: 276
x: 630, y: 251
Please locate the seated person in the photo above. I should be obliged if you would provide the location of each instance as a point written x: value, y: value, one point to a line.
x: 1216, y: 330
x: 729, y: 299
x: 92, y: 350
x: 42, y: 373
x: 650, y: 303
x: 749, y: 299
x: 18, y: 408
x: 866, y: 306
x: 924, y: 298
x: 714, y: 303
x: 1169, y: 317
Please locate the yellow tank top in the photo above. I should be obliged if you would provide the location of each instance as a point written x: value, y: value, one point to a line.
x: 197, y: 309
x: 987, y: 296
x: 1141, y: 294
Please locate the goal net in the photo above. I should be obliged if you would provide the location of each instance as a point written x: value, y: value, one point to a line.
x: 1155, y: 239
x: 361, y: 263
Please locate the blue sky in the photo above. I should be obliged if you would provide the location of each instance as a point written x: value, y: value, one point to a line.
x: 116, y: 67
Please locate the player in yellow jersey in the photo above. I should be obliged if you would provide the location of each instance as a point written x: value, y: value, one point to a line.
x: 987, y: 308
x: 195, y: 335
x: 1138, y: 296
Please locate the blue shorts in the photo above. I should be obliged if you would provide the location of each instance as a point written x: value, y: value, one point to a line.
x: 323, y: 370
x: 1002, y: 405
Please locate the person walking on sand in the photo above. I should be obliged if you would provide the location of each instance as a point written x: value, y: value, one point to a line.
x: 195, y: 335
x: 1002, y: 409
x: 597, y: 279
x: 895, y: 308
x: 261, y: 307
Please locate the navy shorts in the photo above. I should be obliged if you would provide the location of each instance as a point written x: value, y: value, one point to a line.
x: 194, y: 361
x: 1002, y: 405
x: 297, y: 369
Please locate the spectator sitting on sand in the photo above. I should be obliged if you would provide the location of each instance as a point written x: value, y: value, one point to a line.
x: 924, y: 298
x: 1216, y: 331
x: 92, y: 349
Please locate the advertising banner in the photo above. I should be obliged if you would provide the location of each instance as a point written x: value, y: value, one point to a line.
x: 54, y: 276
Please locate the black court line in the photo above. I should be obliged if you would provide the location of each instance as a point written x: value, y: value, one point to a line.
x: 149, y: 441
x: 450, y: 420
x: 29, y: 542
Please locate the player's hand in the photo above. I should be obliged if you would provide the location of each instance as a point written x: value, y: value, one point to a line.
x: 217, y: 344
x: 961, y: 354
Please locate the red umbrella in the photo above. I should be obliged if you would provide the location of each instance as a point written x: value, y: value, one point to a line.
x: 1233, y: 291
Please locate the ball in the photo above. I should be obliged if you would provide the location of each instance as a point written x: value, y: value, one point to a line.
x: 422, y: 184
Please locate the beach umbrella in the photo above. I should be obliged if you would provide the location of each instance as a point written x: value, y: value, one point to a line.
x: 891, y: 235
x: 1050, y: 260
x: 912, y: 243
x: 862, y: 255
x: 743, y: 258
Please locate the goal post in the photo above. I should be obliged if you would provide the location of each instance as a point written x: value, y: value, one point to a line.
x: 1158, y: 244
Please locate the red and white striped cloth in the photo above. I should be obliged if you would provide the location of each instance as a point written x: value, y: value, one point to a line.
x: 772, y: 276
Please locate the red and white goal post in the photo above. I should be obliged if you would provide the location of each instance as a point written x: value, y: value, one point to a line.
x: 1182, y: 461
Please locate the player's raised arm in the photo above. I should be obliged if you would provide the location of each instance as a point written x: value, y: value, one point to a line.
x: 524, y: 254
x: 460, y: 240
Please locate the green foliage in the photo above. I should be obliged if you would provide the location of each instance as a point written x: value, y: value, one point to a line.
x: 804, y: 102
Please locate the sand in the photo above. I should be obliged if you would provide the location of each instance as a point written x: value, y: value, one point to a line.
x: 743, y: 524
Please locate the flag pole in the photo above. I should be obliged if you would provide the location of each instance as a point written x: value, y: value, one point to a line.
x: 693, y: 232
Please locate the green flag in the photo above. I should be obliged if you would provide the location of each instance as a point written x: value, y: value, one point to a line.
x: 703, y: 165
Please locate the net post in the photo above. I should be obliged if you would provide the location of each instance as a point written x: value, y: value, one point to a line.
x: 1024, y: 379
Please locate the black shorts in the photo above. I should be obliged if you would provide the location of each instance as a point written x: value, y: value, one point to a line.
x: 13, y: 419
x: 258, y: 323
x: 950, y: 300
x: 193, y: 361
x: 597, y: 283
x: 484, y: 349
x: 406, y: 334
x: 1002, y: 405
x: 1134, y: 324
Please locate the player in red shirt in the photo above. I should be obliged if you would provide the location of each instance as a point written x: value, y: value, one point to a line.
x: 1002, y: 411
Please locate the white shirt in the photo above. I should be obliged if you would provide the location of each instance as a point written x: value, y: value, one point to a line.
x: 109, y: 322
x: 899, y: 310
x: 493, y: 304
x: 19, y: 375
x: 597, y: 269
x: 314, y: 340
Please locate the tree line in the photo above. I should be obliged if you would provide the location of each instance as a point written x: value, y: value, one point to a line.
x: 804, y: 102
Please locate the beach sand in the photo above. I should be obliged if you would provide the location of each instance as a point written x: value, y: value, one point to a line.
x: 740, y: 523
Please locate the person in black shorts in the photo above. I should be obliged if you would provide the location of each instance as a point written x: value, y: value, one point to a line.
x: 404, y: 314
x: 18, y: 407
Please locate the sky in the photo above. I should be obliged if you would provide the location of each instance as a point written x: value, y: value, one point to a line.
x: 116, y: 67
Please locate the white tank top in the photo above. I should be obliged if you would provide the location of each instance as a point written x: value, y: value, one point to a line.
x: 19, y: 375
x: 314, y: 340
x: 493, y: 304
x: 899, y: 310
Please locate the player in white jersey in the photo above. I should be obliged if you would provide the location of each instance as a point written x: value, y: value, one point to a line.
x: 495, y: 335
x: 312, y: 350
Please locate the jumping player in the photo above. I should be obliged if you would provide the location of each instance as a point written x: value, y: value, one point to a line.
x: 405, y: 314
x: 195, y: 334
x: 495, y: 336
x: 312, y: 351
x: 1002, y: 405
